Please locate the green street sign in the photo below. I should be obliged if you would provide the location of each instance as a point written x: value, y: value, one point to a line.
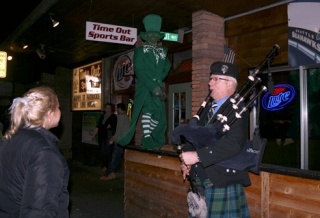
x: 173, y: 37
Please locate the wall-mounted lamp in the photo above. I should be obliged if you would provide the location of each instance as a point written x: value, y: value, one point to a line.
x: 54, y: 22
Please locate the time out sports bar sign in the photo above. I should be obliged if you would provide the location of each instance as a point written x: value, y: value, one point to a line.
x: 119, y: 34
x: 110, y: 33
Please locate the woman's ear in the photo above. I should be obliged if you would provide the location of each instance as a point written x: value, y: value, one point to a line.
x: 49, y: 114
x: 47, y: 119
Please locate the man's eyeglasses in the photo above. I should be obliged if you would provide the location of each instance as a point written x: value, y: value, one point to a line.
x: 218, y: 78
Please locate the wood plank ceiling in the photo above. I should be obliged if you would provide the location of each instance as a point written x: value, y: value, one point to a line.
x: 66, y: 45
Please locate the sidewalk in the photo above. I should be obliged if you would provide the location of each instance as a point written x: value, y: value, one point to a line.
x: 93, y: 198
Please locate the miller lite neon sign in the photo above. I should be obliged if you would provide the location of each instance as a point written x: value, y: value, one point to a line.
x: 282, y: 95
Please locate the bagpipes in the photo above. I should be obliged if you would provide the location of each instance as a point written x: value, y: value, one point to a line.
x: 199, y: 136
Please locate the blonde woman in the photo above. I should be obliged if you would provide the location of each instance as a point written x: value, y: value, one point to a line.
x: 34, y: 175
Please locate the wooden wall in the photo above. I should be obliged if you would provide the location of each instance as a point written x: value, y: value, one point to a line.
x: 154, y: 188
x: 252, y: 36
x: 275, y: 195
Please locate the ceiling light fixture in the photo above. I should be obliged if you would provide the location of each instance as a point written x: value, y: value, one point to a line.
x: 41, y: 52
x: 24, y: 45
x: 54, y: 22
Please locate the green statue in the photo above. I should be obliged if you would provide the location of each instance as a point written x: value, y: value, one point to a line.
x: 151, y: 67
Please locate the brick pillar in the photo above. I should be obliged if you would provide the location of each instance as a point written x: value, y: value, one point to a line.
x: 207, y: 47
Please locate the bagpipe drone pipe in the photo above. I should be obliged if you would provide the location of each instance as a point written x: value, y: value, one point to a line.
x: 200, y: 136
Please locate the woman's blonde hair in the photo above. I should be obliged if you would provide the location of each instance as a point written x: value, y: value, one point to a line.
x: 30, y: 110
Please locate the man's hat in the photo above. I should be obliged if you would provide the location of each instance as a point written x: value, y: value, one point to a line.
x: 223, y: 68
x: 152, y: 24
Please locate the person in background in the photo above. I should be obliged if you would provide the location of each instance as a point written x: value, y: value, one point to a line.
x: 105, y: 129
x: 34, y: 174
x: 123, y: 123
x: 151, y: 67
x: 221, y: 189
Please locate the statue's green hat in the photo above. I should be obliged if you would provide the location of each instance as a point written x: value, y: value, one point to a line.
x: 152, y: 24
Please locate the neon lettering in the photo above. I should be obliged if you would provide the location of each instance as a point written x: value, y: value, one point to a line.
x: 276, y: 100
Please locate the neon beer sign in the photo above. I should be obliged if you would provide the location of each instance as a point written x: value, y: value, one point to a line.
x: 282, y: 95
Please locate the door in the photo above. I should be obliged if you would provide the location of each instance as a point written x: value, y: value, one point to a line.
x: 179, y: 105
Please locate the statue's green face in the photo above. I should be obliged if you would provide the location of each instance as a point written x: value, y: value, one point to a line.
x: 152, y: 38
